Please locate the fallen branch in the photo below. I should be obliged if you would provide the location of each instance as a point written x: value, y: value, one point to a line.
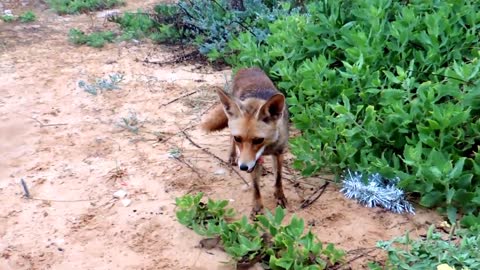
x: 190, y: 167
x: 363, y: 254
x: 178, y: 98
x: 177, y: 60
x: 212, y: 155
x: 310, y: 200
x: 47, y: 125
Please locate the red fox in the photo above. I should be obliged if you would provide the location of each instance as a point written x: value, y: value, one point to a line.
x: 257, y: 116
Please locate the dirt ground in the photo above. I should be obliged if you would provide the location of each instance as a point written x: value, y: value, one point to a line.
x: 73, y: 154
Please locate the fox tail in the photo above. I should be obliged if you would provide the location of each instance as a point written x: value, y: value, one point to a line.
x: 216, y: 120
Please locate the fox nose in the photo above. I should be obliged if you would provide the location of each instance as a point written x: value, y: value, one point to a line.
x: 243, y: 167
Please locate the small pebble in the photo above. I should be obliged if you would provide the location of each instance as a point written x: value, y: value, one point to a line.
x: 126, y: 202
x: 120, y: 194
x: 245, y: 187
x: 220, y: 171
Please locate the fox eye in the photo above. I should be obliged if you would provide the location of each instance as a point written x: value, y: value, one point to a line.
x: 257, y: 140
x: 237, y: 139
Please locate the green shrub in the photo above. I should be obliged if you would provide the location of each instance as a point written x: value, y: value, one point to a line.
x: 79, y: 6
x: 28, y: 16
x: 460, y: 250
x: 382, y: 86
x: 95, y: 39
x: 208, y: 25
x: 267, y: 241
x: 7, y: 18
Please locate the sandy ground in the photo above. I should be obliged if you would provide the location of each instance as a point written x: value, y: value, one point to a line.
x: 69, y: 148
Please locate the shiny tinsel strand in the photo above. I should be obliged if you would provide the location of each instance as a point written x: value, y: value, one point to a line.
x: 376, y: 191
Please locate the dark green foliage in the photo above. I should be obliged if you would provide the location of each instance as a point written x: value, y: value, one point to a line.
x: 95, y: 39
x: 208, y: 25
x: 135, y: 24
x: 277, y: 246
x: 460, y: 250
x: 79, y: 6
x: 27, y: 16
x: 215, y: 23
x: 382, y: 86
x: 7, y: 18
x: 158, y: 26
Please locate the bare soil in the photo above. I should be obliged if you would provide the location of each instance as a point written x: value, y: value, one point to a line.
x: 72, y: 153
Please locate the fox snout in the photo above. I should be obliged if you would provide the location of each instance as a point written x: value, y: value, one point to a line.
x: 247, y: 166
x: 248, y: 159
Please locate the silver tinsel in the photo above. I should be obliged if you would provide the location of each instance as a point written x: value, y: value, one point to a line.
x: 377, y: 191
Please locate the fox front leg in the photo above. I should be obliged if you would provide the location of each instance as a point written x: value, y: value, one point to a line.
x: 277, y: 167
x: 232, y: 159
x: 257, y: 198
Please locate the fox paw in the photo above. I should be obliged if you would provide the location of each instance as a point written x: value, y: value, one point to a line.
x: 281, y: 200
x: 256, y: 210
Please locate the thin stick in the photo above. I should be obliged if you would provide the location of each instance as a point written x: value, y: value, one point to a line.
x: 212, y: 154
x: 178, y: 98
x: 310, y: 200
x: 40, y: 122
x: 190, y: 167
x: 25, y: 189
x: 370, y: 250
x: 65, y: 201
x: 48, y: 125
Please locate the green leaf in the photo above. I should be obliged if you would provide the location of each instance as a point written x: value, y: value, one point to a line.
x: 279, y: 215
x: 450, y: 194
x: 457, y: 169
x: 452, y: 214
x: 432, y: 198
x: 339, y: 109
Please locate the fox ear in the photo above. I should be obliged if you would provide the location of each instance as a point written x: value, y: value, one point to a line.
x: 272, y: 110
x: 232, y: 108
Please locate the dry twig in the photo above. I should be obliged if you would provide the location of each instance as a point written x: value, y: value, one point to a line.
x: 310, y: 200
x: 178, y: 98
x: 363, y: 254
x: 212, y: 155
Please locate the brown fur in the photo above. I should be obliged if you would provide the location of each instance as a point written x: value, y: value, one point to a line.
x: 257, y: 116
x: 217, y: 120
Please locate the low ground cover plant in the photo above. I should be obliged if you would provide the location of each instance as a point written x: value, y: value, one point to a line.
x: 382, y: 86
x: 457, y: 250
x: 269, y: 240
x: 95, y: 39
x: 81, y: 6
x: 26, y: 17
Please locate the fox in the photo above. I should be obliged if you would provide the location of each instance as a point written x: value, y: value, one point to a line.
x: 256, y: 114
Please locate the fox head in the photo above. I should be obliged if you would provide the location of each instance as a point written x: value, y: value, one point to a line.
x: 253, y: 125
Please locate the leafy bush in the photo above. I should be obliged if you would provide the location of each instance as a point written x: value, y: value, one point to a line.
x: 268, y: 241
x: 460, y: 250
x: 95, y: 39
x: 79, y: 6
x: 158, y: 26
x: 7, y: 18
x: 215, y: 23
x: 25, y: 17
x: 208, y: 25
x: 382, y: 86
x: 28, y: 16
